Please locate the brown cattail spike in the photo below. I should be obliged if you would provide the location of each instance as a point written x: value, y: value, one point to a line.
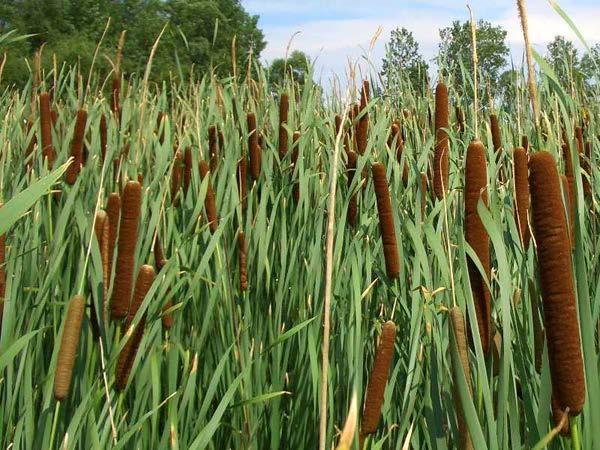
x: 77, y: 147
x: 284, y: 106
x: 525, y: 143
x: 46, y: 129
x: 521, y: 195
x: 423, y: 194
x: 176, y: 175
x: 460, y: 340
x: 102, y: 231
x: 396, y: 136
x: 378, y: 380
x: 295, y: 153
x: 128, y: 354
x: 187, y: 170
x: 587, y: 169
x: 386, y: 221
x: 209, y: 201
x: 128, y: 231
x: 477, y: 237
x: 253, y: 147
x: 363, y: 122
x: 242, y: 179
x: 103, y: 137
x: 213, y: 148
x: 495, y: 127
x: 241, y: 241
x: 556, y: 282
x: 440, y: 159
x: 113, y: 209
x: 352, y: 213
x: 557, y: 417
x: 68, y: 348
x: 143, y: 282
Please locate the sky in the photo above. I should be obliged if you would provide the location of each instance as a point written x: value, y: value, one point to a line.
x: 332, y: 32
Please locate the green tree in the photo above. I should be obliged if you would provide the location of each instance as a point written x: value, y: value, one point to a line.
x: 564, y: 59
x: 590, y: 63
x: 403, y: 61
x: 455, y: 51
x: 297, y: 65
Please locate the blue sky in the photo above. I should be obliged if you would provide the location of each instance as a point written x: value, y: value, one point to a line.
x: 334, y: 31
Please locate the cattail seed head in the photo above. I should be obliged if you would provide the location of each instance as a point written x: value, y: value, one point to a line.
x: 477, y: 237
x: 242, y: 179
x: 77, y: 147
x: 143, y: 282
x: 113, y: 209
x: 363, y: 122
x: 103, y: 137
x: 352, y: 213
x: 423, y: 193
x: 587, y: 169
x: 68, y: 348
x: 440, y: 159
x: 378, y: 380
x: 460, y: 119
x: 128, y: 231
x: 241, y: 241
x: 176, y: 175
x: 556, y: 281
x: 102, y: 231
x: 253, y: 147
x: 386, y: 221
x: 284, y: 106
x: 209, y: 201
x: 46, y: 129
x: 557, y: 417
x: 496, y: 138
x: 187, y: 169
x: 128, y: 354
x: 522, y: 195
x: 525, y: 143
x: 396, y: 135
x: 213, y: 148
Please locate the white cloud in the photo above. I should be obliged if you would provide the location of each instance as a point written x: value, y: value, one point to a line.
x: 331, y: 42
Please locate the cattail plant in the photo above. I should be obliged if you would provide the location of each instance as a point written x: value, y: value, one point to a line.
x: 440, y: 159
x: 129, y: 351
x: 159, y: 262
x: 187, y: 169
x: 396, y: 136
x: 103, y: 137
x: 363, y: 121
x: 460, y: 341
x: 46, y: 129
x: 2, y: 274
x: 570, y: 175
x: 102, y: 231
x: 460, y: 119
x: 29, y: 152
x: 116, y: 94
x: 496, y: 138
x: 525, y: 143
x: 241, y: 241
x: 521, y: 194
x: 295, y: 152
x: 68, y: 348
x: 213, y: 148
x: 176, y: 175
x: 377, y: 381
x: 477, y: 237
x: 113, y: 209
x: 556, y: 282
x: 253, y: 147
x: 284, y: 106
x: 352, y: 214
x: 557, y: 417
x: 128, y: 231
x: 587, y: 169
x: 423, y: 193
x: 386, y: 221
x: 77, y: 147
x: 209, y: 201
x: 242, y: 180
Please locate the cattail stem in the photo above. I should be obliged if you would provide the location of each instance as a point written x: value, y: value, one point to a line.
x: 531, y: 84
x: 386, y: 221
x: 477, y: 237
x: 557, y: 285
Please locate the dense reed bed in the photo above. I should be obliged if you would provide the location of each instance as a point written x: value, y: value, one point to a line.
x: 195, y: 231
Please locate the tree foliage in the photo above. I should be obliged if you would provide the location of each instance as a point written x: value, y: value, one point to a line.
x: 296, y: 65
x: 402, y: 59
x: 455, y: 51
x: 199, y: 35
